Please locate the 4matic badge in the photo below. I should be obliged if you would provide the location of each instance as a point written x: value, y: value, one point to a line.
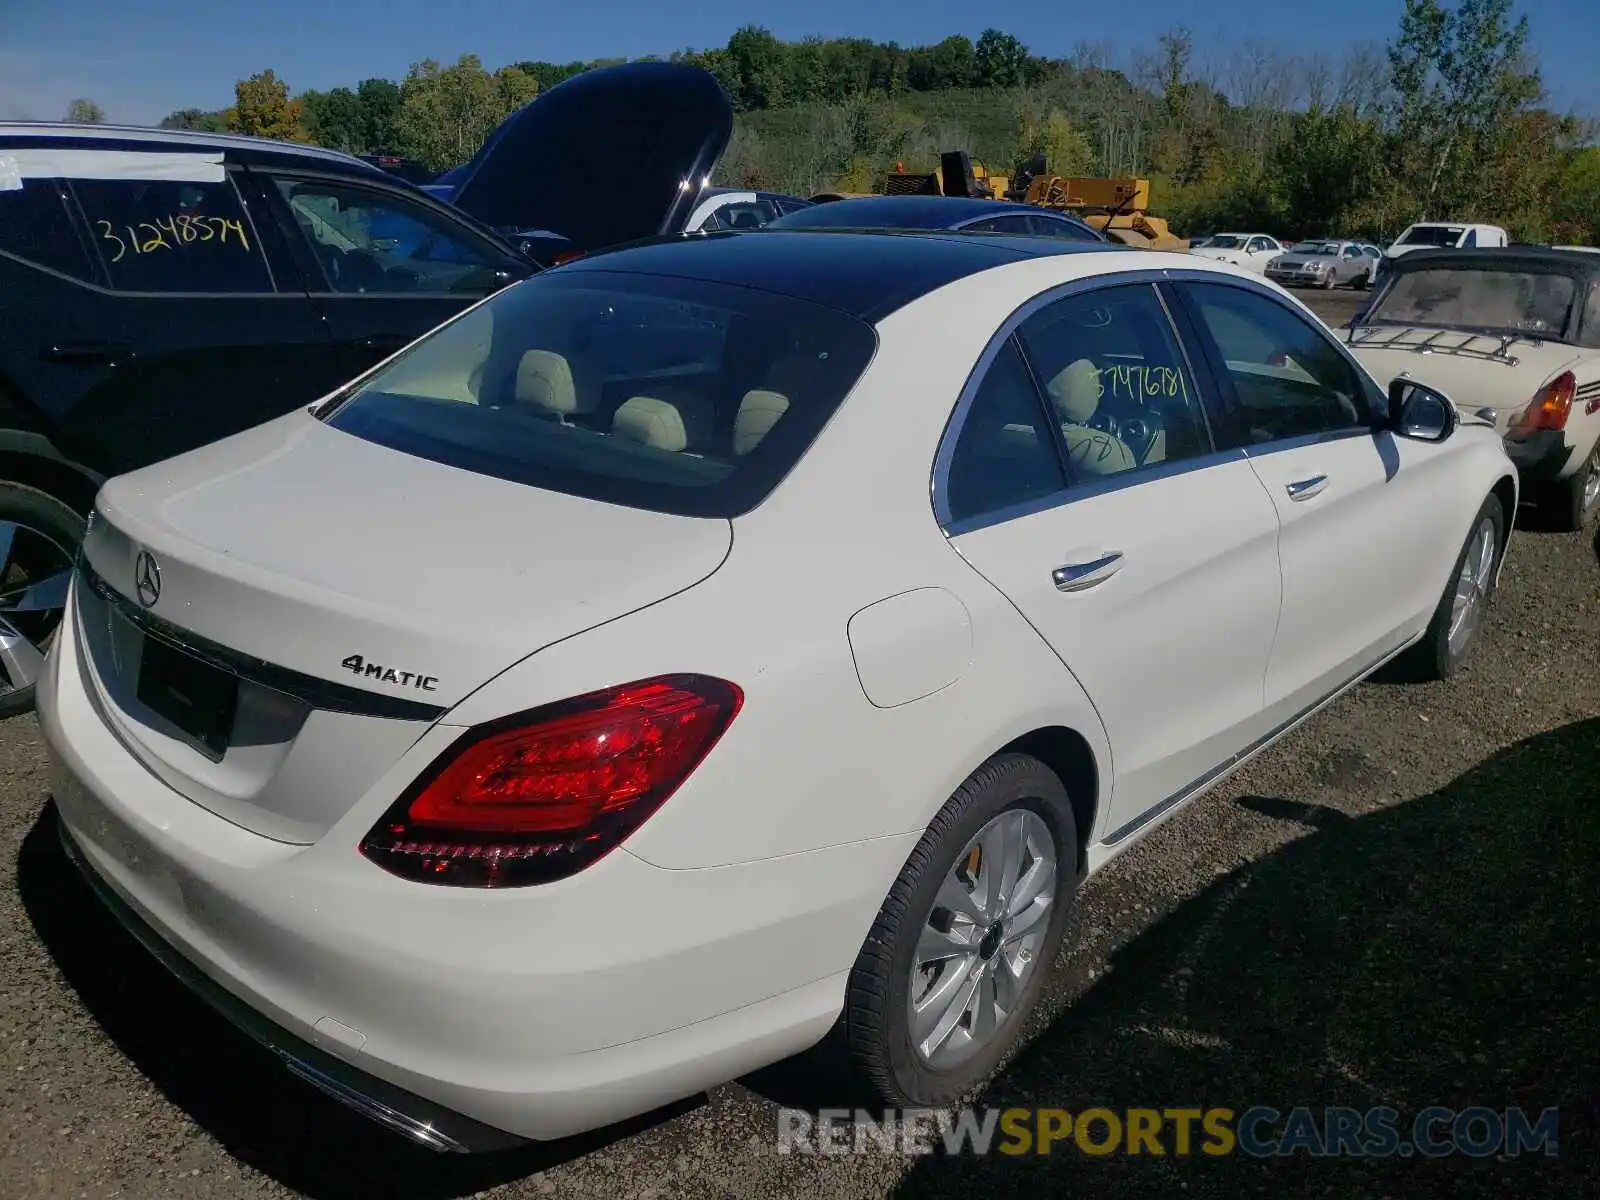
x: 371, y: 670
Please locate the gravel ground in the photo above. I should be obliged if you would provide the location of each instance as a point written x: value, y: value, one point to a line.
x: 1393, y: 906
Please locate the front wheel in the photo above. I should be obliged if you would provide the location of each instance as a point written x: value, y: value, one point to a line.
x: 1461, y: 611
x: 960, y: 950
x: 39, y: 537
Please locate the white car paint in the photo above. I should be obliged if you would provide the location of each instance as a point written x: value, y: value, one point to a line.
x: 1252, y: 251
x: 882, y: 660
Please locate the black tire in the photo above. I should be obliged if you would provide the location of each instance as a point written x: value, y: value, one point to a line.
x: 1432, y: 658
x: 875, y: 1026
x: 1562, y: 506
x: 43, y: 514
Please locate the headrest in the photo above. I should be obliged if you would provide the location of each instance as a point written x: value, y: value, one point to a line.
x: 1075, y: 391
x: 758, y: 412
x: 545, y: 381
x: 652, y: 422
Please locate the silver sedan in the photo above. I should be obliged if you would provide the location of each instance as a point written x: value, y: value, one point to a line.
x: 1325, y: 264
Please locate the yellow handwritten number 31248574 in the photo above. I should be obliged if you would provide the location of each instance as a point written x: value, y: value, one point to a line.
x: 174, y: 233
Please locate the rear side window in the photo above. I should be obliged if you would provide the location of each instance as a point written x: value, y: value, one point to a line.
x: 157, y: 235
x: 1006, y: 454
x: 35, y: 227
x: 667, y: 394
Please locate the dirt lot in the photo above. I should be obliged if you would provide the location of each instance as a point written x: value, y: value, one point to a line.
x: 1394, y: 906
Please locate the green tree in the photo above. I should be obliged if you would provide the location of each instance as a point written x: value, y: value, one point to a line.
x: 760, y: 66
x: 1330, y: 163
x: 335, y: 119
x: 1457, y: 75
x: 262, y: 108
x: 952, y: 63
x: 1000, y: 59
x: 380, y: 111
x: 85, y: 112
x: 447, y: 112
x: 196, y: 118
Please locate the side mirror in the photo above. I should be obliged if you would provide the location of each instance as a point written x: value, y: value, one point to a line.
x: 1420, y: 412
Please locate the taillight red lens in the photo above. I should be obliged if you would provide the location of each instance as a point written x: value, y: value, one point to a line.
x: 542, y: 796
x: 1551, y: 407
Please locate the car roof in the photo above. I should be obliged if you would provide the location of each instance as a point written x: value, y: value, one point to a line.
x: 1546, y: 258
x: 107, y: 137
x: 867, y: 274
x: 924, y: 212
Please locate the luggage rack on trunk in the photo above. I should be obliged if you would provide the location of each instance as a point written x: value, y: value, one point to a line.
x: 1370, y: 337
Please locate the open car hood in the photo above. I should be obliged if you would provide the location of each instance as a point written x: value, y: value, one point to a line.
x: 609, y: 156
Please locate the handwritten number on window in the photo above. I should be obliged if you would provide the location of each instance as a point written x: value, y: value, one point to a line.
x: 175, y: 232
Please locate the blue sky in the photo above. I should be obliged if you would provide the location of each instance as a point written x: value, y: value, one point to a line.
x: 143, y: 58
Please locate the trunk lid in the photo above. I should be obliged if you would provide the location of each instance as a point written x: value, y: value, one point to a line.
x: 611, y: 155
x: 1464, y: 366
x: 356, y: 592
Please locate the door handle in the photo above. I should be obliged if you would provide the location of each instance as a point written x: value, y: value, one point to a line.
x: 86, y: 354
x: 1304, y: 489
x: 1078, y: 577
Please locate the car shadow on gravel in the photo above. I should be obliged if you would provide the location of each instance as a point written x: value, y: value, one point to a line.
x: 1444, y: 951
x: 232, y: 1088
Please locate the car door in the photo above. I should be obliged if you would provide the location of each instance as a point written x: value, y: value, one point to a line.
x: 1260, y: 251
x: 384, y: 266
x: 1358, y: 528
x: 196, y: 327
x: 1081, y: 481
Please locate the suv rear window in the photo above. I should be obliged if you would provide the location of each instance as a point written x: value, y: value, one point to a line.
x: 668, y: 394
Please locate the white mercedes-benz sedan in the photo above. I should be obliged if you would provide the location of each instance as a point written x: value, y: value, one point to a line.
x: 708, y: 645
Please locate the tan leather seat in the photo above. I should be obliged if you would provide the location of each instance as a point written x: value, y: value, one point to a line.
x: 547, y: 381
x: 1075, y: 393
x: 673, y: 425
x: 758, y: 412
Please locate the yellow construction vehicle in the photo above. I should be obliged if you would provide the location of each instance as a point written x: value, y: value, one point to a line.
x: 1118, y: 208
x: 958, y: 175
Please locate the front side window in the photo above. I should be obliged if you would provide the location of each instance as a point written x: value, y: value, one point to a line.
x: 650, y: 391
x: 371, y: 242
x: 1288, y: 380
x: 158, y: 235
x: 1005, y: 454
x: 1115, y: 379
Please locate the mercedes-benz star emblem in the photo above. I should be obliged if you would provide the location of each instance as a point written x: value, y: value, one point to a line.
x: 147, y: 578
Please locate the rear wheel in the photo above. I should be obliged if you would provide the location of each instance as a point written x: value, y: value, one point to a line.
x: 961, y: 948
x: 1465, y: 603
x: 1573, y: 502
x: 39, y: 536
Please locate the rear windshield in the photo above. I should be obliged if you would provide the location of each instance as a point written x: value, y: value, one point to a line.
x: 1431, y: 235
x: 1521, y: 302
x: 668, y: 394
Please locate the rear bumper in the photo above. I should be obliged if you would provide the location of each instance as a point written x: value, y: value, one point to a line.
x: 536, y: 1013
x: 1542, y: 457
x: 408, y: 1114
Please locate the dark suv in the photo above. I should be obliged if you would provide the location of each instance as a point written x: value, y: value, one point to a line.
x: 160, y: 290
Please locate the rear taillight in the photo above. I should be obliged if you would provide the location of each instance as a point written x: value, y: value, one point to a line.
x: 1550, y: 407
x: 543, y: 795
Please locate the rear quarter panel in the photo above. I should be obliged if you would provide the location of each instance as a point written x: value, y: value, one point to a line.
x: 810, y: 762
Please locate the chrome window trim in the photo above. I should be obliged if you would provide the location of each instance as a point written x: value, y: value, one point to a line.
x: 939, y: 482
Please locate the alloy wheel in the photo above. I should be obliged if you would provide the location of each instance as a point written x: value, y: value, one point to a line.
x: 981, y: 941
x: 35, y: 571
x: 1472, y: 587
x: 1591, y: 484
